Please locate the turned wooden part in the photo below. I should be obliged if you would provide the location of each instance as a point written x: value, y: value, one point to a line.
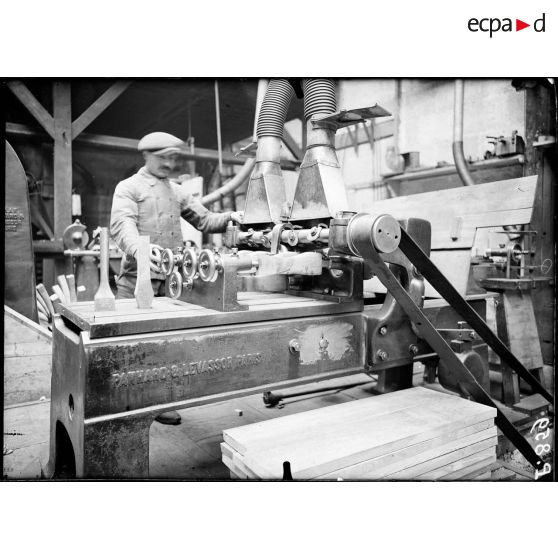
x: 104, y: 298
x: 143, y: 291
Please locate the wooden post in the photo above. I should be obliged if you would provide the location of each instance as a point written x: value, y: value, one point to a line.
x: 540, y: 115
x: 62, y: 157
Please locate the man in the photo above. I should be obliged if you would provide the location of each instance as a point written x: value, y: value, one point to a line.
x: 148, y: 203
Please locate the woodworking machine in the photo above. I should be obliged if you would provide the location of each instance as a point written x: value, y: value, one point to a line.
x: 281, y: 304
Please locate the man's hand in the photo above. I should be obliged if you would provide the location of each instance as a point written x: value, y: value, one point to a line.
x: 155, y: 257
x: 237, y: 216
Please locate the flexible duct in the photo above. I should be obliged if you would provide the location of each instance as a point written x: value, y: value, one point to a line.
x: 457, y: 145
x: 234, y: 183
x: 319, y: 97
x: 273, y: 113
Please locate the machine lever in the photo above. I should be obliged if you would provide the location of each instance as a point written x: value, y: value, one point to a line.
x: 433, y: 275
x: 438, y: 344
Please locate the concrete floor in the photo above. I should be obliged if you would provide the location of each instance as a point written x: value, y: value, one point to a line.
x: 190, y: 450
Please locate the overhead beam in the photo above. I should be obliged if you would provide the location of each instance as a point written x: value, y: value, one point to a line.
x: 128, y: 144
x: 100, y: 105
x: 30, y: 102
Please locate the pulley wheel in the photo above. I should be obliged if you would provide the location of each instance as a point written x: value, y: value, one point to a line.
x: 207, y: 265
x: 189, y: 263
x: 167, y: 261
x: 175, y: 284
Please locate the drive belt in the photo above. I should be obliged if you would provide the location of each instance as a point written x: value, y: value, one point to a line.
x: 433, y: 275
x: 437, y: 342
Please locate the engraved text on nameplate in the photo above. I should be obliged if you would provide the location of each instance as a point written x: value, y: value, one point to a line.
x: 14, y: 218
x: 183, y: 370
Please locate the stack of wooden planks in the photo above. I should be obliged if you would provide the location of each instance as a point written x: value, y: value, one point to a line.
x: 413, y: 434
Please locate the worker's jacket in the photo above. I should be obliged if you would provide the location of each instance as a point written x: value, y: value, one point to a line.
x: 147, y: 205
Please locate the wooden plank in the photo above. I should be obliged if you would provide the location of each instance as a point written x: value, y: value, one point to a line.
x: 356, y: 431
x: 99, y: 106
x: 31, y: 103
x: 257, y: 436
x: 65, y: 288
x: 233, y: 469
x: 494, y: 204
x: 523, y: 336
x: 226, y: 450
x: 412, y: 473
x: 473, y: 472
x: 363, y: 469
x: 454, y: 265
x: 462, y: 467
x: 425, y: 460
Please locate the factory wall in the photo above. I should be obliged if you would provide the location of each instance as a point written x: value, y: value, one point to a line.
x: 422, y: 116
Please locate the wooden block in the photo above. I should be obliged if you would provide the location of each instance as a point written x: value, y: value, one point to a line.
x: 143, y: 292
x: 324, y: 440
x: 412, y: 473
x: 532, y: 404
x: 307, y: 263
x: 363, y: 470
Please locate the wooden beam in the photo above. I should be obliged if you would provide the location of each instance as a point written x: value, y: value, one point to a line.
x: 128, y: 144
x: 62, y: 157
x: 101, y: 104
x: 31, y: 103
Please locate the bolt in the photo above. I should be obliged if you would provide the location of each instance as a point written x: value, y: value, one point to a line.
x: 323, y: 343
x: 381, y: 354
x: 234, y: 251
x: 294, y: 346
x: 413, y: 349
x: 383, y: 330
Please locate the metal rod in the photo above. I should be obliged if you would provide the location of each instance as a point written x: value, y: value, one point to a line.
x: 218, y: 116
x: 271, y: 399
x: 457, y: 145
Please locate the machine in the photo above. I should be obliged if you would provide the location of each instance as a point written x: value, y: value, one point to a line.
x: 282, y: 304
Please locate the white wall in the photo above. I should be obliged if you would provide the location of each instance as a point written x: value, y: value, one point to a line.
x: 492, y: 107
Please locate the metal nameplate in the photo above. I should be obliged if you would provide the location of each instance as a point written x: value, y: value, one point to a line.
x: 171, y: 373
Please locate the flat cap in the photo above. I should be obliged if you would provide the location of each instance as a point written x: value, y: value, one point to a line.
x: 160, y: 143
